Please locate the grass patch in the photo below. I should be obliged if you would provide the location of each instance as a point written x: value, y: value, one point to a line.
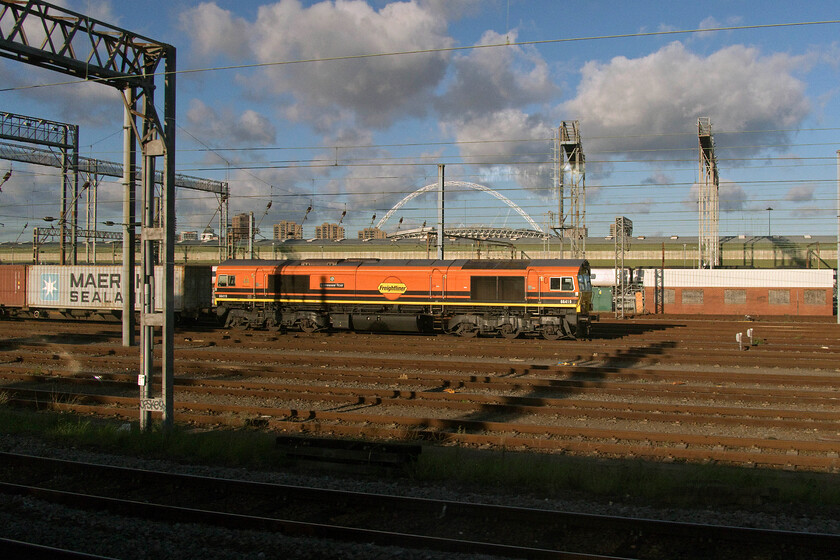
x: 234, y: 448
x: 674, y: 484
x: 629, y: 480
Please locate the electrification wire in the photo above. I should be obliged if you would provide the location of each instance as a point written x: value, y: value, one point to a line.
x: 472, y: 159
x: 455, y: 143
x: 441, y: 50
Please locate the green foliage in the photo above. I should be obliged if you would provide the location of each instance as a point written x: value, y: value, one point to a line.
x: 668, y: 484
x: 544, y: 475
x: 224, y: 447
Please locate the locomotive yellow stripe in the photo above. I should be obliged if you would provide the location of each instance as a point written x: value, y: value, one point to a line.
x: 394, y: 302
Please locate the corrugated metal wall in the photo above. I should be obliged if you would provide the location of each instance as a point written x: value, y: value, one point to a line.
x: 726, y: 278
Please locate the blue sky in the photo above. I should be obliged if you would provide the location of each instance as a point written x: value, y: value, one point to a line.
x: 361, y: 134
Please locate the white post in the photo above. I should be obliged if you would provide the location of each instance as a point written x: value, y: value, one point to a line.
x: 440, y: 213
x: 251, y: 235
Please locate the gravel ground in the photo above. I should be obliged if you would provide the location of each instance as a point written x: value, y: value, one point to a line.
x: 35, y: 521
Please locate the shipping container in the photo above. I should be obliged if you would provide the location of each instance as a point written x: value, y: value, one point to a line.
x: 12, y: 287
x: 99, y: 288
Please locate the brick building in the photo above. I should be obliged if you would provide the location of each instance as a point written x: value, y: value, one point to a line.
x: 329, y: 231
x: 288, y: 230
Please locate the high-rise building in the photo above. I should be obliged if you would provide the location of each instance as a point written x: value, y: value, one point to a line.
x: 239, y: 228
x: 288, y: 230
x: 329, y: 231
x: 189, y: 236
x: 372, y: 233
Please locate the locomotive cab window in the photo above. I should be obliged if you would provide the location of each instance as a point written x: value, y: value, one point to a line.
x: 562, y: 284
x: 226, y: 280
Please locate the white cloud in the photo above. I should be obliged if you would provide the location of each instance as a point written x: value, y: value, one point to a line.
x: 215, y: 31
x: 374, y: 91
x: 366, y: 189
x: 247, y: 129
x: 668, y: 90
x: 801, y: 193
x: 658, y: 178
x: 712, y: 22
x: 452, y: 10
x: 731, y: 196
x: 495, y: 78
x: 480, y: 134
x: 87, y: 104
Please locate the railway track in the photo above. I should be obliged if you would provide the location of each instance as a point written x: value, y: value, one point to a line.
x: 507, y: 426
x: 389, y: 520
x: 489, y: 393
x: 631, y: 337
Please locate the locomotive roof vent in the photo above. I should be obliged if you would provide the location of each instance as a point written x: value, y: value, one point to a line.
x: 321, y: 262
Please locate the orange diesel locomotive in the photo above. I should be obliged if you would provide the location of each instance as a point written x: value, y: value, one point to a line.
x: 547, y: 297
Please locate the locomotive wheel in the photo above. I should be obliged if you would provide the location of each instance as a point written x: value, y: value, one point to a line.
x: 550, y: 332
x: 307, y: 325
x: 509, y: 331
x: 467, y: 330
x: 272, y: 325
x: 239, y: 323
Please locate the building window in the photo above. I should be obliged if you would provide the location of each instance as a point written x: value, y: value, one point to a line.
x: 779, y: 297
x: 735, y: 297
x: 815, y: 297
x: 692, y: 297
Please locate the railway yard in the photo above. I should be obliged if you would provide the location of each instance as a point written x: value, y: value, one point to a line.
x: 668, y: 393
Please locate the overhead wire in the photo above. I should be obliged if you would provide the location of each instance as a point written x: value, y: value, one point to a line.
x: 471, y: 160
x: 440, y: 50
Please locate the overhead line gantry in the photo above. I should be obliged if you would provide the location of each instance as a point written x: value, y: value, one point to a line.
x: 37, y: 33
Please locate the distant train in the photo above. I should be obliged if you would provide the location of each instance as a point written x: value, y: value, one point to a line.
x: 79, y: 291
x: 550, y: 298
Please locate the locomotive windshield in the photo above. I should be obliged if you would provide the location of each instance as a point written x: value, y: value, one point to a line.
x: 585, y: 282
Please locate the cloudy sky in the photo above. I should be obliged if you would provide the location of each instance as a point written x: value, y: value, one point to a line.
x: 281, y: 100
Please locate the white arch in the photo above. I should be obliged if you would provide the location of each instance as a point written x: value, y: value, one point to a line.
x: 474, y: 186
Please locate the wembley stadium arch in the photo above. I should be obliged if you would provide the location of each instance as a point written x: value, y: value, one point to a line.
x: 474, y: 186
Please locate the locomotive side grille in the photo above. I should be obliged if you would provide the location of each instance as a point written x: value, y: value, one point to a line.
x: 497, y: 288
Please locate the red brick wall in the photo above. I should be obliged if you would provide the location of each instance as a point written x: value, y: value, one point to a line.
x: 743, y: 301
